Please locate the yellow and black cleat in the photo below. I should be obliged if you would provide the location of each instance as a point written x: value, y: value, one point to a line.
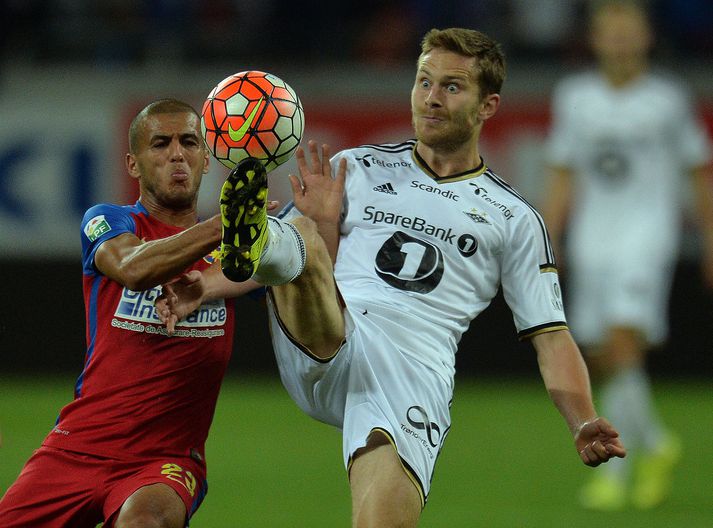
x: 243, y: 209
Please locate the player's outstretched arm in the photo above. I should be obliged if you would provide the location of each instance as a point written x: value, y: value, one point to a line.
x: 567, y: 380
x: 186, y: 293
x: 142, y: 265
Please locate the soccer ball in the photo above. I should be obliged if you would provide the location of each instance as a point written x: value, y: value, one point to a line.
x: 252, y: 114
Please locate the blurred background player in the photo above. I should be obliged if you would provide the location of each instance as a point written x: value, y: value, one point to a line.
x: 129, y: 450
x: 404, y: 247
x: 623, y: 141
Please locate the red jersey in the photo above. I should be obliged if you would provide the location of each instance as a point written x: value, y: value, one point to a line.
x: 141, y: 393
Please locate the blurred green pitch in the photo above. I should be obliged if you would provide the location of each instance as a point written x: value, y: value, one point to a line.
x: 508, y: 461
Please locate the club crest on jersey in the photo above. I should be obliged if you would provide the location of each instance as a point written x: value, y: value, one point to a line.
x: 477, y: 217
x: 96, y: 227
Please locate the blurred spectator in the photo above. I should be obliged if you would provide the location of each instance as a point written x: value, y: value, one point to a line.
x: 625, y: 141
x: 543, y: 28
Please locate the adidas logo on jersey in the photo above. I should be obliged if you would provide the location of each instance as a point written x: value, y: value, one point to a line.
x: 386, y: 188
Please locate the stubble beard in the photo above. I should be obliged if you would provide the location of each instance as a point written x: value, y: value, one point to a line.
x: 453, y: 136
x: 175, y: 197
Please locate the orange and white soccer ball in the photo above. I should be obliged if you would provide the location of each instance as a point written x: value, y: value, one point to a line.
x: 252, y: 114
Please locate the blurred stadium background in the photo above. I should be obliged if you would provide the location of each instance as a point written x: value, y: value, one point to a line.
x: 72, y: 75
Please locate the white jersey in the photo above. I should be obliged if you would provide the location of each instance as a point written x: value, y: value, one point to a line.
x: 419, y: 257
x: 629, y: 149
x: 430, y: 253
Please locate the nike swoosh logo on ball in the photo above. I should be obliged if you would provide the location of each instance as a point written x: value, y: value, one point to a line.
x: 237, y: 135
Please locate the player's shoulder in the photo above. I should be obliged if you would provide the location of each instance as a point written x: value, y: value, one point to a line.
x: 503, y: 195
x: 107, y: 209
x: 498, y: 186
x: 667, y: 84
x: 104, y: 217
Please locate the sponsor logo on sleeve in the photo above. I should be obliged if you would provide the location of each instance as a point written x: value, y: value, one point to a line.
x: 96, y: 227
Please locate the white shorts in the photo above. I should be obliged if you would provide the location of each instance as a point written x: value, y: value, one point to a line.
x: 370, y: 384
x: 630, y: 295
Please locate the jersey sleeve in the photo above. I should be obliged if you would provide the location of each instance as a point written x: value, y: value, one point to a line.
x: 529, y: 278
x: 101, y: 223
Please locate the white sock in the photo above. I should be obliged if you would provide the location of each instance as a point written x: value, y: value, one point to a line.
x: 627, y: 401
x: 283, y: 257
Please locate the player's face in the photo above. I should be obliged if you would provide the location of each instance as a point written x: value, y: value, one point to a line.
x: 170, y: 160
x: 445, y: 100
x: 621, y: 36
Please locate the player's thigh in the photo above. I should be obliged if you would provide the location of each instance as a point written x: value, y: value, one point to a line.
x: 156, y: 505
x: 161, y: 489
x: 317, y: 385
x: 55, y: 488
x: 382, y: 493
x: 309, y: 307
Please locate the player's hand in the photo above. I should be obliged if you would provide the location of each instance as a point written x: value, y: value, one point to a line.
x: 317, y: 194
x: 597, y: 441
x: 179, y: 298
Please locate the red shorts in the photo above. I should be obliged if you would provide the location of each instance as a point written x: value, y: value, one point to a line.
x: 63, y: 488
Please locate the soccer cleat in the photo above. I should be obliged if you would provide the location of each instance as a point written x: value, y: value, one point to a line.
x: 243, y: 209
x: 653, y: 474
x: 603, y: 493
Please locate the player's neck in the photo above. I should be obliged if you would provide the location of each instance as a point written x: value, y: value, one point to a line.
x: 623, y: 75
x: 447, y: 162
x: 179, y: 217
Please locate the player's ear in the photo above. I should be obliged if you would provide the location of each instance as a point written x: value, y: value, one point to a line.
x: 131, y: 166
x: 206, y: 161
x: 488, y: 106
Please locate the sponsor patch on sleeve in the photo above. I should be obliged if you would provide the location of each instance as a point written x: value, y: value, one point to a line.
x: 96, y: 227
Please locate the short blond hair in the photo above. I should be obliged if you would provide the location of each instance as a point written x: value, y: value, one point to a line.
x: 489, y: 57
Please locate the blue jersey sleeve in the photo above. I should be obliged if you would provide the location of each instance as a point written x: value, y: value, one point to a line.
x: 101, y: 223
